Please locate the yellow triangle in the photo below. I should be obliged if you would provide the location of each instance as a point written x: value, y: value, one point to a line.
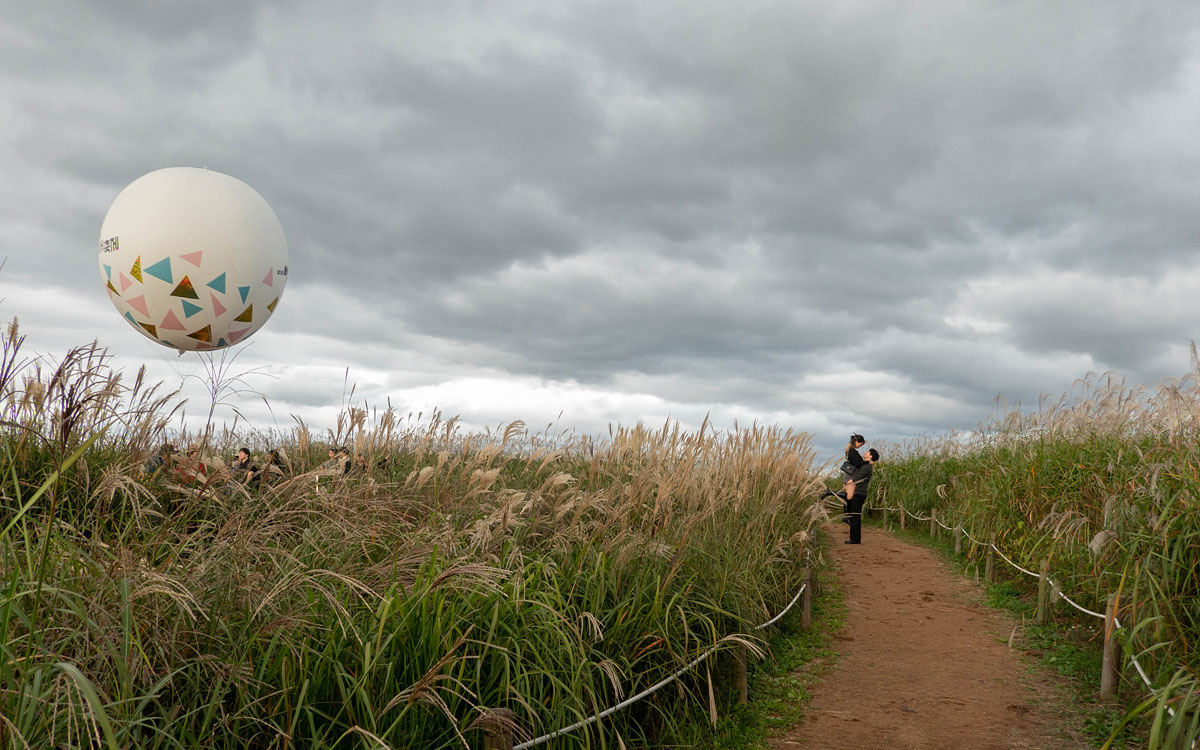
x: 204, y: 334
x: 150, y: 328
x: 113, y: 289
x: 246, y: 316
x: 274, y: 302
x: 136, y: 271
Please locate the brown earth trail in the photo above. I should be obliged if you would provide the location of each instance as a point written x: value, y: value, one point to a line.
x: 923, y: 663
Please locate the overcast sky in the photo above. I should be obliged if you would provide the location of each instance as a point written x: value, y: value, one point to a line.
x: 873, y: 216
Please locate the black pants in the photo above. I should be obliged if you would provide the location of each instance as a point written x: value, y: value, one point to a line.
x: 854, y: 507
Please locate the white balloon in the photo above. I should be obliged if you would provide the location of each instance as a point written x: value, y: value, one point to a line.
x: 193, y: 259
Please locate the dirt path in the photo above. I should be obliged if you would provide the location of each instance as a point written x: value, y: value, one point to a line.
x: 923, y: 663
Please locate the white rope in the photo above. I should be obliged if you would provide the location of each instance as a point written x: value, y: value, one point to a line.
x: 1068, y: 600
x: 650, y: 690
x: 777, y: 617
x: 1010, y: 562
x: 1141, y: 672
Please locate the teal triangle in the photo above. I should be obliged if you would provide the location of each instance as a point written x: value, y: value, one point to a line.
x: 243, y: 290
x: 221, y: 342
x: 161, y: 270
x: 131, y: 320
x: 219, y: 284
x: 108, y: 271
x: 189, y: 309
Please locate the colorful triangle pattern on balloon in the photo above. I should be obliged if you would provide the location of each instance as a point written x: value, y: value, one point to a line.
x: 218, y: 283
x: 244, y: 291
x: 136, y: 271
x: 171, y: 322
x: 193, y: 258
x: 236, y: 336
x: 247, y: 315
x: 218, y: 308
x: 125, y: 282
x: 269, y: 279
x: 161, y: 270
x: 150, y: 328
x: 130, y: 319
x: 190, y: 309
x: 204, y: 334
x: 185, y: 289
x: 222, y: 342
x: 107, y: 270
x: 274, y: 302
x: 139, y: 303
x: 113, y: 289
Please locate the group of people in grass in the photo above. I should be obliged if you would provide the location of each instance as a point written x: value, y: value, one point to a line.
x: 191, y: 467
x: 856, y: 478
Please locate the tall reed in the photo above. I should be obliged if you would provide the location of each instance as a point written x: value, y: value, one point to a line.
x: 396, y: 607
x: 1105, y: 482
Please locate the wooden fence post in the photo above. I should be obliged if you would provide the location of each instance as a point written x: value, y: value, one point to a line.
x: 933, y: 523
x: 806, y: 599
x: 886, y: 527
x: 989, y: 569
x: 498, y: 729
x: 1043, y: 586
x: 1109, y: 673
x: 739, y: 668
x: 903, y: 517
x: 957, y: 540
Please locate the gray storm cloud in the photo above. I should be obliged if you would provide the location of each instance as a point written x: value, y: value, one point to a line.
x: 876, y: 213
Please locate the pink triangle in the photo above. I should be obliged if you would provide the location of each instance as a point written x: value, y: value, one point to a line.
x: 139, y: 304
x: 202, y: 347
x: 235, y: 336
x: 193, y: 258
x: 218, y: 308
x: 269, y: 279
x: 125, y: 282
x: 171, y: 323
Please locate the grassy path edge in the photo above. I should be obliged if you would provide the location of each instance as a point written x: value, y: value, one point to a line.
x: 1077, y: 659
x: 779, y: 685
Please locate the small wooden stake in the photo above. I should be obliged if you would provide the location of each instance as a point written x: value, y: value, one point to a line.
x: 903, y: 517
x: 1109, y: 674
x: 1043, y: 591
x: 498, y: 729
x: 886, y: 526
x: 958, y: 540
x: 989, y: 569
x: 739, y: 669
x: 933, y: 524
x: 806, y: 599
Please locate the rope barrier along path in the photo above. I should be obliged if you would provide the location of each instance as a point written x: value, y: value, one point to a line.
x: 1116, y: 622
x: 652, y: 689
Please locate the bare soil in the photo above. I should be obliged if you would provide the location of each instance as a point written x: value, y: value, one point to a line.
x: 924, y: 663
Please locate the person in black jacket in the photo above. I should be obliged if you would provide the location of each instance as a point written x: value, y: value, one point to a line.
x: 853, y: 461
x: 856, y: 494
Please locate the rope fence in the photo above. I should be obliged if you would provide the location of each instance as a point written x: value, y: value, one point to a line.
x: 500, y: 732
x: 1054, y: 587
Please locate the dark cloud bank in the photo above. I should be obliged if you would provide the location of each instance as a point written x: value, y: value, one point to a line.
x: 871, y: 216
